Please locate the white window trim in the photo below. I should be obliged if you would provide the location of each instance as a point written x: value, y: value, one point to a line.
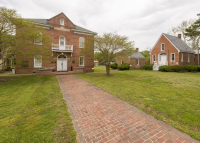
x: 153, y: 59
x: 80, y: 38
x: 188, y: 57
x: 121, y: 61
x: 34, y: 62
x: 59, y: 41
x: 181, y: 57
x: 174, y: 57
x: 138, y: 61
x: 62, y: 23
x: 161, y: 46
x: 35, y: 41
x: 80, y: 60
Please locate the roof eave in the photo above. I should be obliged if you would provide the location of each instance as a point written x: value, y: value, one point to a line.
x: 93, y: 33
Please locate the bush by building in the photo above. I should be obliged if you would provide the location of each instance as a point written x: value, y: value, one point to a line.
x: 124, y: 66
x: 148, y: 67
x: 114, y: 66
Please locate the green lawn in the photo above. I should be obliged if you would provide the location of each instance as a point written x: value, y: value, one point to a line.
x: 171, y: 97
x: 32, y: 109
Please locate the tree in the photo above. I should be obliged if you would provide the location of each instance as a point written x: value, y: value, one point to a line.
x: 146, y: 53
x: 181, y: 29
x: 110, y: 45
x: 193, y: 32
x: 21, y: 37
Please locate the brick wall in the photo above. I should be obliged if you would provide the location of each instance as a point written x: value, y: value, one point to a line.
x: 169, y: 48
x: 71, y: 38
x: 125, y: 58
x: 185, y: 59
x: 134, y: 65
x: 196, y: 59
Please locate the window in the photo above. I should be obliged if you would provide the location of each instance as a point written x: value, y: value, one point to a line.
x: 24, y: 64
x: 96, y: 64
x: 62, y: 22
x: 154, y: 58
x: 181, y: 57
x: 37, y: 61
x: 38, y: 39
x: 173, y: 57
x: 62, y: 43
x: 188, y: 57
x: 137, y: 61
x: 162, y: 47
x: 81, y: 61
x: 122, y: 61
x: 81, y: 42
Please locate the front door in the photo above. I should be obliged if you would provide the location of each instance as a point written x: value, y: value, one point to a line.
x: 62, y: 63
x: 163, y: 59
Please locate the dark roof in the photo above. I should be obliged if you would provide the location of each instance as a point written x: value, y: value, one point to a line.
x: 78, y: 28
x: 40, y: 21
x: 137, y: 55
x: 179, y: 43
x: 81, y: 29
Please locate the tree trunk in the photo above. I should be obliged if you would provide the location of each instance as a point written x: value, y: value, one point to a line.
x: 198, y: 55
x: 108, y: 69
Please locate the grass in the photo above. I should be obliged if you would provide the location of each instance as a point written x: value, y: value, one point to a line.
x: 32, y: 109
x: 171, y: 97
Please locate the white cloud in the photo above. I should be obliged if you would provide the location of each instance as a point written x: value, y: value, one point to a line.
x: 142, y: 21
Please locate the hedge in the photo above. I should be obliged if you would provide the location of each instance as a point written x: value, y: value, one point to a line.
x: 148, y: 67
x: 114, y: 66
x: 190, y: 68
x: 124, y: 66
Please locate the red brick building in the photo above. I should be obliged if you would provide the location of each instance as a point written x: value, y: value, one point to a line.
x: 196, y: 57
x: 66, y: 51
x: 171, y: 50
x: 136, y: 61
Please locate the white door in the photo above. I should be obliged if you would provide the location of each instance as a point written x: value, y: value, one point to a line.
x: 62, y: 43
x: 163, y: 59
x: 59, y: 64
x: 62, y: 63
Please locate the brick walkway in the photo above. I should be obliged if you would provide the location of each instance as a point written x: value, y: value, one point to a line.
x: 100, y: 117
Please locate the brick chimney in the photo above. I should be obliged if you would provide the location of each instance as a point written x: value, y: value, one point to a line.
x: 137, y: 49
x: 179, y: 35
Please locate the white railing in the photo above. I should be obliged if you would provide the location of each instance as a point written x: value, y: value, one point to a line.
x: 66, y: 48
x: 157, y: 64
x: 163, y: 64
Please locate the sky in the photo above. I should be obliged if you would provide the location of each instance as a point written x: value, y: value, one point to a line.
x: 143, y: 21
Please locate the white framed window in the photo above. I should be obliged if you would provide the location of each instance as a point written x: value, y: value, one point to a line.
x: 38, y: 39
x: 137, y: 61
x: 62, y: 43
x: 181, y: 57
x: 172, y: 57
x: 62, y: 22
x: 96, y: 64
x: 188, y: 57
x: 162, y: 47
x: 81, y: 42
x: 154, y: 58
x: 122, y: 61
x: 81, y: 61
x: 37, y: 61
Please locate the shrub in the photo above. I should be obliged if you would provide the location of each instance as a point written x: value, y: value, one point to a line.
x: 114, y: 66
x: 176, y: 68
x: 190, y: 68
x: 124, y: 66
x: 198, y: 69
x: 148, y: 67
x: 165, y: 68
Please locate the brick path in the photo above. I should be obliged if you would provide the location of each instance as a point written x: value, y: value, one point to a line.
x: 100, y: 117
